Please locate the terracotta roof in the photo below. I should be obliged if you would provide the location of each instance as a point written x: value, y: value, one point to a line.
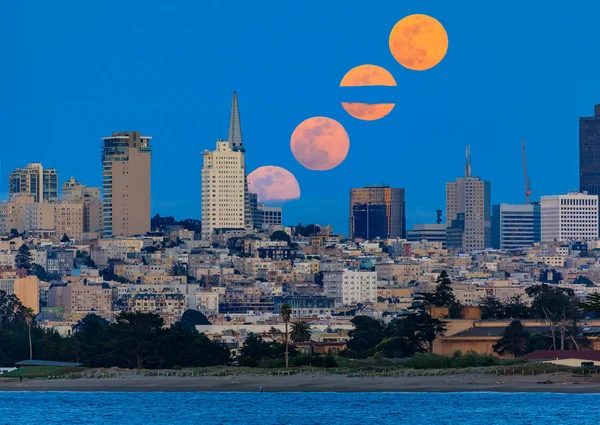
x: 590, y: 355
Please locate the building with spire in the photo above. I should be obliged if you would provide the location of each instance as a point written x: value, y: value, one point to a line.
x: 468, y: 211
x: 225, y: 198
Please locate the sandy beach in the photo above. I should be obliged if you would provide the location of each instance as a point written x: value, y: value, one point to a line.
x: 559, y: 383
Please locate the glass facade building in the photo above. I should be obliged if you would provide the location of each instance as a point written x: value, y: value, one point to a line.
x: 377, y: 212
x: 515, y: 226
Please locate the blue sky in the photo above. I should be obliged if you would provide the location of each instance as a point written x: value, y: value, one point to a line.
x: 76, y: 70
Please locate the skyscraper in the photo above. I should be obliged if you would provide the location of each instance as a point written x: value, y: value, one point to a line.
x: 377, y: 212
x: 470, y: 196
x: 515, y: 226
x: 571, y: 217
x: 225, y: 199
x: 126, y: 159
x: 589, y: 153
x: 34, y: 180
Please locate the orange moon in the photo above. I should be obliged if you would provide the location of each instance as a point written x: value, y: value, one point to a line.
x: 368, y: 111
x: 272, y: 183
x: 368, y: 75
x: 320, y: 143
x: 419, y: 42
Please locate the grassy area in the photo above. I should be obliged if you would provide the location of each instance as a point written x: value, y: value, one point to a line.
x: 30, y: 372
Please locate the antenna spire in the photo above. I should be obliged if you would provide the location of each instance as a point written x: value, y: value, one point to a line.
x: 468, y: 170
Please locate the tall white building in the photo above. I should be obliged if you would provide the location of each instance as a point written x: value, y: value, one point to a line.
x: 225, y: 202
x: 571, y: 217
x: 469, y: 197
x: 349, y: 287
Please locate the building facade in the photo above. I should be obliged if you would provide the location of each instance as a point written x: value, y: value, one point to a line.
x: 570, y: 217
x: 225, y: 198
x: 589, y: 153
x: 36, y: 181
x: 349, y: 287
x: 470, y: 196
x: 126, y: 159
x: 377, y: 212
x: 428, y: 232
x: 515, y: 226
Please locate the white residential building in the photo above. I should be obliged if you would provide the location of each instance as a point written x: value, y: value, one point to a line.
x: 225, y: 201
x: 349, y: 287
x: 570, y: 217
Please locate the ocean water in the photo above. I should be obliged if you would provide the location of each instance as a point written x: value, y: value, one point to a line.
x: 66, y: 408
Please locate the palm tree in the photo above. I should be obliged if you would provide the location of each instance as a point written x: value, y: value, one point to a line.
x: 300, y: 331
x: 29, y: 318
x: 286, y: 312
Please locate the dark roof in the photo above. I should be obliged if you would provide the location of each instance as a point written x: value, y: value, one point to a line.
x: 565, y: 354
x: 47, y: 363
x: 480, y: 331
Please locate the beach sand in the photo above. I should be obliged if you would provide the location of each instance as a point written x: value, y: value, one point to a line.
x: 559, y: 383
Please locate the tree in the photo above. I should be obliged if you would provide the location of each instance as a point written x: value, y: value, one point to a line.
x: 30, y: 320
x: 65, y: 238
x: 592, y: 304
x: 558, y: 307
x: 137, y: 335
x: 492, y: 309
x: 280, y: 235
x: 550, y: 276
x: 39, y: 271
x: 180, y: 269
x: 301, y: 331
x: 442, y: 297
x: 319, y: 278
x: 286, y: 312
x: 14, y: 233
x: 192, y: 318
x: 513, y: 339
x: 11, y: 310
x: 364, y: 338
x: 515, y: 308
x: 583, y: 280
x: 23, y: 258
x: 255, y: 350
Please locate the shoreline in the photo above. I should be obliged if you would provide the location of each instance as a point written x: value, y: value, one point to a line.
x: 549, y: 383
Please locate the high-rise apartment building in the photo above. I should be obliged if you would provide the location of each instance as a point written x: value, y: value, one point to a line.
x: 225, y: 198
x: 36, y: 181
x: 126, y: 159
x: 515, y: 226
x: 377, y: 212
x: 349, y: 287
x: 470, y: 196
x: 571, y: 217
x: 589, y: 153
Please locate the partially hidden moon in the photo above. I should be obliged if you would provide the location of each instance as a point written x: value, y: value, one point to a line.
x: 273, y: 184
x: 419, y: 42
x: 320, y: 143
x: 368, y: 75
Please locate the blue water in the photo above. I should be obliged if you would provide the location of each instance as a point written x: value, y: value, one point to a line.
x: 24, y: 408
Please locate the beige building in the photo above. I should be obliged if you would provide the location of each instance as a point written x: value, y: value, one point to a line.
x: 126, y: 158
x: 68, y: 218
x: 73, y: 190
x: 170, y: 306
x: 26, y: 289
x: 225, y: 201
x: 36, y: 181
x: 78, y: 298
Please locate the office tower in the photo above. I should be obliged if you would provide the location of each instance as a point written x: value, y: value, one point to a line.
x: 126, y: 159
x: 377, y: 212
x: 36, y: 181
x: 429, y: 232
x: 225, y: 197
x: 571, y: 217
x: 455, y: 233
x: 470, y: 196
x: 515, y: 226
x: 589, y: 153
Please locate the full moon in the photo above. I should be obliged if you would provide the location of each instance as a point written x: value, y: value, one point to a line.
x: 368, y: 75
x: 320, y: 143
x: 419, y: 42
x: 272, y: 184
x: 368, y: 111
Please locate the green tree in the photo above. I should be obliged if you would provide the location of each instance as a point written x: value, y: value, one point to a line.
x: 364, y: 338
x: 65, y: 238
x: 12, y: 311
x: 23, y: 258
x: 280, y: 235
x: 592, y: 304
x: 410, y: 334
x: 513, y: 340
x: 286, y: 313
x: 185, y: 347
x: 583, y: 280
x: 14, y: 233
x: 137, y: 336
x: 39, y: 271
x: 319, y: 278
x: 30, y: 321
x: 492, y: 309
x: 301, y: 331
x: 192, y: 318
x: 515, y: 308
x: 255, y: 350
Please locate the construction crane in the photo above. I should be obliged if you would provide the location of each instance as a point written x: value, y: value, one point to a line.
x: 527, y: 181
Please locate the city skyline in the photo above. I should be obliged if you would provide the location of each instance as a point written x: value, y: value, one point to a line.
x: 182, y: 100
